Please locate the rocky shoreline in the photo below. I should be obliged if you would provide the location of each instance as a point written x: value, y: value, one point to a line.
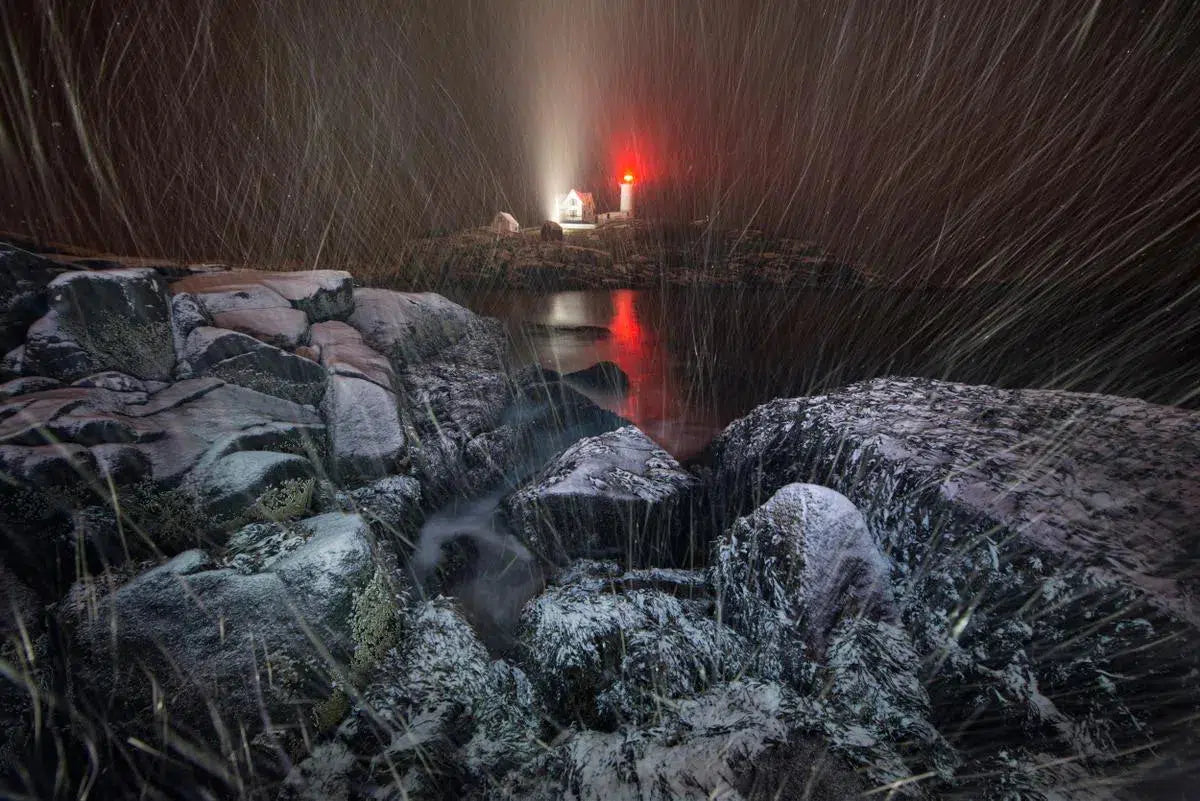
x: 272, y: 535
x: 630, y: 254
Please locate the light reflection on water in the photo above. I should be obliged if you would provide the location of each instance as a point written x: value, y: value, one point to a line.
x: 697, y: 359
x: 657, y: 400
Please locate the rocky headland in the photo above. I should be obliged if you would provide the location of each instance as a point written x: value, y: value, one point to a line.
x: 275, y: 535
x: 627, y: 254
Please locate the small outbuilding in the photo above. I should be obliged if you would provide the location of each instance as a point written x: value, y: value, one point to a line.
x: 505, y: 223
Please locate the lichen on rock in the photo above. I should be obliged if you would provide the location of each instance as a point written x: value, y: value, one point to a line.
x: 105, y: 320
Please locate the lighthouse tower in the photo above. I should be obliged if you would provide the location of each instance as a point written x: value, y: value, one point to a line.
x: 627, y: 195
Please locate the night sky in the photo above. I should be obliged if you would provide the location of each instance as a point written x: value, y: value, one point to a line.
x: 950, y: 139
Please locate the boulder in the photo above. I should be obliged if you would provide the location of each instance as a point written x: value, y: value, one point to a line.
x: 446, y: 404
x: 111, y: 379
x: 738, y: 740
x: 238, y: 297
x: 225, y: 651
x: 441, y: 720
x: 366, y: 439
x: 320, y: 294
x: 161, y: 441
x: 47, y: 416
x: 274, y: 372
x: 602, y: 648
x: 613, y: 495
x: 1038, y: 547
x: 23, y: 280
x: 43, y: 466
x: 1105, y: 481
x: 206, y: 346
x: 448, y: 370
x: 121, y: 463
x: 333, y: 561
x: 26, y: 385
x: 23, y: 645
x: 391, y: 505
x: 104, y: 320
x: 256, y: 484
x: 284, y: 328
x: 186, y: 316
x: 175, y: 428
x: 14, y: 363
x: 797, y: 565
x: 604, y: 654
x: 341, y: 351
x: 256, y: 547
x: 551, y: 231
x: 203, y: 418
x: 600, y: 377
x: 410, y: 327
x: 868, y: 701
x: 241, y: 359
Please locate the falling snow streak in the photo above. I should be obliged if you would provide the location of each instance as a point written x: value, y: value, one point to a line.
x: 945, y: 139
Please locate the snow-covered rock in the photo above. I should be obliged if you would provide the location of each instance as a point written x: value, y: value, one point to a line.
x: 790, y: 570
x: 23, y: 280
x: 114, y: 380
x: 207, y: 346
x: 320, y: 294
x: 27, y: 384
x: 60, y: 447
x: 44, y: 466
x: 274, y: 372
x: 282, y: 327
x: 227, y: 651
x: 186, y: 316
x: 256, y: 484
x: 104, y: 320
x: 343, y: 352
x: 1040, y: 550
x: 738, y: 741
x: 545, y: 417
x: 613, y: 495
x: 605, y: 654
x: 242, y: 359
x: 441, y: 720
x: 1109, y: 482
x: 600, y: 377
x: 409, y: 327
x: 391, y: 505
x: 366, y: 437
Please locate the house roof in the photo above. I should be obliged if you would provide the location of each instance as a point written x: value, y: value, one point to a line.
x: 585, y: 198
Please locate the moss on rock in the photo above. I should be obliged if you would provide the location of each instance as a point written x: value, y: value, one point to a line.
x: 303, y: 392
x: 138, y: 347
x: 285, y: 501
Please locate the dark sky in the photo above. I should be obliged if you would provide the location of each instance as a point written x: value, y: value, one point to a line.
x: 947, y: 138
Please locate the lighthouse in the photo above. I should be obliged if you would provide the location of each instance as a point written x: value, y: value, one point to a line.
x: 577, y: 210
x: 627, y: 195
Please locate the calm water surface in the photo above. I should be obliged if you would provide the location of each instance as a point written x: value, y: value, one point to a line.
x: 697, y: 359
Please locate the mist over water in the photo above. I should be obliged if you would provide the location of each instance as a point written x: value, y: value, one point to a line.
x: 495, y: 573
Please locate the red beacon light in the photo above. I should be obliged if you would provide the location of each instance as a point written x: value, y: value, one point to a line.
x: 628, y: 177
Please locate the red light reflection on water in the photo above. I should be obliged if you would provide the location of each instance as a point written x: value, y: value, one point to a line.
x: 652, y: 400
x: 655, y: 401
x: 630, y: 351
